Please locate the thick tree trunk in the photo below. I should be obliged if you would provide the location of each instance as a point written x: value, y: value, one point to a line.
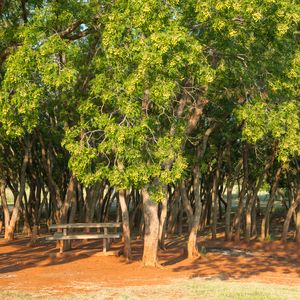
x: 125, y: 224
x: 150, y: 209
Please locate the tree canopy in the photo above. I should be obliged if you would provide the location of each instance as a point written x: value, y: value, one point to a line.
x: 172, y: 97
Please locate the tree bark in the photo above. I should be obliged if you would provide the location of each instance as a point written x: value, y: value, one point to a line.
x: 214, y: 206
x: 192, y: 248
x: 214, y: 196
x: 229, y: 188
x: 5, y: 207
x: 16, y: 210
x: 265, y: 226
x: 150, y: 210
x: 242, y: 194
x: 163, y: 223
x: 173, y: 213
x: 297, y: 236
x: 125, y: 224
x: 250, y: 208
x: 289, y: 215
x: 186, y: 204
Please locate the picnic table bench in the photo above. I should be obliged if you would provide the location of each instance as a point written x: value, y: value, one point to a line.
x: 65, y: 233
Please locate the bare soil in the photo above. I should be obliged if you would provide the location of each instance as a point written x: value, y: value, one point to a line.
x: 40, y: 268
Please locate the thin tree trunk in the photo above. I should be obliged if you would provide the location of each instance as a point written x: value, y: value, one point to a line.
x: 73, y: 200
x: 5, y: 207
x: 125, y: 224
x: 250, y: 207
x: 229, y: 188
x: 180, y: 219
x: 242, y: 193
x: 186, y: 204
x: 297, y: 237
x: 265, y: 225
x: 214, y: 207
x: 254, y: 220
x: 289, y: 215
x: 173, y: 213
x: 26, y: 227
x: 253, y: 198
x: 69, y: 197
x: 150, y: 209
x: 214, y: 196
x: 16, y: 210
x: 163, y: 223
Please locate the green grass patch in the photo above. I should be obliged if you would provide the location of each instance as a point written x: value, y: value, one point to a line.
x: 185, y: 289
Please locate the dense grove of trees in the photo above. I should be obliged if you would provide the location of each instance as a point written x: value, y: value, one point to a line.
x: 159, y: 107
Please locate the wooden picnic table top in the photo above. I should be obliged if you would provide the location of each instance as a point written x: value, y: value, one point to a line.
x: 82, y: 236
x: 85, y: 225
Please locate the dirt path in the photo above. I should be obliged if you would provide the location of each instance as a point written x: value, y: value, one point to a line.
x: 40, y: 268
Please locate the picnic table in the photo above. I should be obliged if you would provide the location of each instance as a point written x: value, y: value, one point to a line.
x: 65, y: 233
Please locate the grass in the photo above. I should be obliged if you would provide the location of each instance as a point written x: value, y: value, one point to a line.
x: 184, y: 289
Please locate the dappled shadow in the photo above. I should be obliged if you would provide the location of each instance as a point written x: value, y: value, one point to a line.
x: 19, y: 254
x: 269, y: 261
x: 263, y: 261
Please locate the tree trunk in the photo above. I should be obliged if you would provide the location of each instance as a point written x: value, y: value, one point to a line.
x: 242, y: 194
x: 173, y: 213
x: 215, y: 195
x: 16, y: 210
x: 192, y: 241
x: 214, y: 207
x: 289, y: 215
x: 69, y: 197
x: 297, y: 237
x: 5, y: 207
x: 150, y: 209
x: 229, y: 188
x: 125, y: 224
x: 92, y: 196
x: 265, y: 226
x: 26, y: 227
x: 163, y: 223
x: 73, y: 200
x: 250, y: 207
x: 186, y: 204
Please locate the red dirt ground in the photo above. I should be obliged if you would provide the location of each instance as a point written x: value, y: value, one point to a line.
x: 39, y: 268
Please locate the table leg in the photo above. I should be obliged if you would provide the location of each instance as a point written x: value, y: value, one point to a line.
x: 66, y: 243
x: 105, y: 241
x: 61, y: 246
